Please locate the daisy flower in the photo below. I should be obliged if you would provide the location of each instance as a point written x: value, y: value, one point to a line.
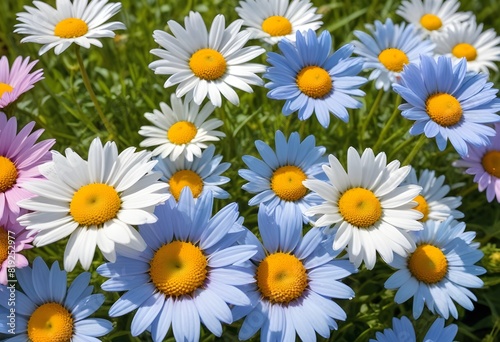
x: 16, y: 80
x: 70, y: 22
x: 389, y: 49
x: 313, y: 80
x: 180, y: 131
x: 20, y: 156
x: 432, y: 17
x: 273, y: 21
x: 277, y: 178
x: 483, y: 163
x: 187, y: 274
x: 439, y: 270
x: 368, y: 207
x: 201, y: 175
x: 96, y: 202
x: 207, y: 63
x: 297, y: 281
x: 49, y: 311
x: 402, y: 330
x: 13, y: 239
x: 448, y: 103
x: 467, y: 40
x: 432, y: 202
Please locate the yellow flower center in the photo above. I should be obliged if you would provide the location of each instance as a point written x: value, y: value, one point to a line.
x: 431, y: 22
x: 184, y: 178
x: 393, y: 59
x: 360, y: 207
x: 422, y: 206
x: 94, y: 204
x: 444, y: 109
x: 495, y: 257
x: 4, y: 244
x: 281, y: 277
x: 314, y: 81
x: 491, y: 163
x: 178, y: 268
x: 71, y: 28
x: 8, y: 174
x: 277, y: 25
x: 5, y: 88
x: 465, y: 50
x: 50, y: 322
x: 286, y: 183
x: 428, y: 264
x: 181, y: 132
x: 208, y: 64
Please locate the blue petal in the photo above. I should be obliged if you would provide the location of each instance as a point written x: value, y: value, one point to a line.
x: 185, y: 320
x: 40, y: 275
x: 57, y: 283
x: 212, y: 310
x: 125, y: 283
x: 253, y: 322
x: 268, y: 230
x: 161, y: 324
x: 147, y: 313
x: 87, y: 306
x: 231, y: 255
x: 267, y: 154
x: 131, y: 300
x: 93, y: 327
x: 76, y: 289
x: 219, y: 225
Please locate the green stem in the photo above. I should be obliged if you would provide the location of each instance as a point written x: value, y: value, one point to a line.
x: 470, y: 189
x: 368, y: 119
x: 418, y: 145
x: 302, y: 129
x: 388, y: 125
x: 93, y: 97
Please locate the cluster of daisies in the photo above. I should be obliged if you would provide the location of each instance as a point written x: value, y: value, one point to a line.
x: 150, y: 213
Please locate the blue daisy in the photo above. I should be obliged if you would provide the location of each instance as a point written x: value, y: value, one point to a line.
x: 296, y: 279
x: 446, y: 102
x: 46, y: 310
x: 312, y: 79
x: 440, y: 270
x: 389, y: 49
x: 277, y: 179
x: 187, y: 273
x: 402, y: 330
x: 201, y: 175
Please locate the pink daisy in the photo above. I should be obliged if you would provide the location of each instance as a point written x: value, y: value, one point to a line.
x: 13, y: 239
x: 483, y: 162
x: 17, y: 80
x: 20, y: 157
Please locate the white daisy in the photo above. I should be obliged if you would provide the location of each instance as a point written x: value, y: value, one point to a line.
x: 96, y: 202
x: 180, y: 131
x: 433, y: 17
x: 207, y: 63
x: 432, y: 202
x: 467, y: 40
x: 77, y: 22
x: 272, y: 21
x: 368, y: 207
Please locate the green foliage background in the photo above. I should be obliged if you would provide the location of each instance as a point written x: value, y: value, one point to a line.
x: 127, y: 88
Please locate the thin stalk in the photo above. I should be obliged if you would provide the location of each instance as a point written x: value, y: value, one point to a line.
x: 388, y: 125
x: 93, y: 97
x: 416, y: 148
x: 368, y: 119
